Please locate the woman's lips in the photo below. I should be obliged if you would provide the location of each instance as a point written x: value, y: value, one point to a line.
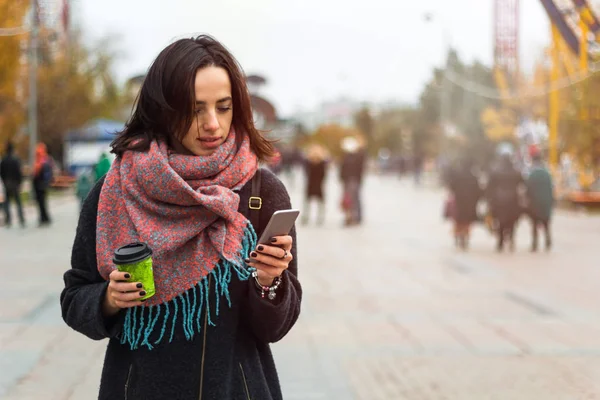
x: 211, y: 142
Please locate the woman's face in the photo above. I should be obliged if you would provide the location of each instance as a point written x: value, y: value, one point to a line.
x: 213, y: 112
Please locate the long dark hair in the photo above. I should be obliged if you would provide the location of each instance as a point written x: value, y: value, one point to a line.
x: 165, y: 105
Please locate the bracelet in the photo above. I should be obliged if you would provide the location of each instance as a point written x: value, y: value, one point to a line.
x: 268, y: 289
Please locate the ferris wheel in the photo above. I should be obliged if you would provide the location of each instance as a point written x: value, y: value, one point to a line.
x: 574, y: 53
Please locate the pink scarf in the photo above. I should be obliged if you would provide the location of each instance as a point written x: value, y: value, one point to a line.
x: 185, y: 208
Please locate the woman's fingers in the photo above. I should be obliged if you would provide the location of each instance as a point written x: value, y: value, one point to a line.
x: 274, y: 251
x: 117, y: 275
x: 126, y: 286
x: 276, y: 262
x: 285, y: 242
x: 128, y: 296
x: 272, y: 260
x: 124, y: 294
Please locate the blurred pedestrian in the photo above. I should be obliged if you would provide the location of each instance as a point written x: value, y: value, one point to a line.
x: 351, y: 175
x: 418, y: 167
x: 83, y: 187
x: 540, y: 196
x: 503, y: 195
x: 42, y: 178
x: 102, y: 166
x: 466, y: 192
x: 315, y: 169
x: 12, y: 178
x: 186, y: 182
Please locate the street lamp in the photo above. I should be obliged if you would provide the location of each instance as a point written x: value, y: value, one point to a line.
x: 33, y: 65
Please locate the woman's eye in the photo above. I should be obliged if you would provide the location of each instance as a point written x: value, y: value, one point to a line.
x: 224, y: 109
x: 198, y: 111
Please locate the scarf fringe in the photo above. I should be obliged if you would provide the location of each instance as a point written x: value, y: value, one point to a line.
x: 141, y: 322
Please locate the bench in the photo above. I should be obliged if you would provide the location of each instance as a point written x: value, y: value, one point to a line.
x: 63, y: 182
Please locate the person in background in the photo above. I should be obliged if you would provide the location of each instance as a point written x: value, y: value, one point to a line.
x: 418, y: 166
x: 42, y: 178
x: 12, y: 177
x: 315, y: 168
x: 503, y: 196
x: 351, y: 175
x: 102, y: 167
x: 540, y: 196
x: 466, y: 192
x: 84, y: 186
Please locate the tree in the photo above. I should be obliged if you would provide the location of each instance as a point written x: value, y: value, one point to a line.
x: 388, y: 131
x: 73, y: 88
x: 75, y: 84
x: 498, y: 124
x: 12, y: 13
x: 580, y: 128
x: 462, y: 109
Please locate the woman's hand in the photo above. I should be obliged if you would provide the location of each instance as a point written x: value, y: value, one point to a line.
x: 121, y: 293
x: 271, y: 260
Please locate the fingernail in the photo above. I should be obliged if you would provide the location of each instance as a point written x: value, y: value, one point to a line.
x: 247, y: 260
x: 127, y: 276
x: 253, y: 254
x: 142, y: 293
x: 260, y: 248
x: 139, y: 285
x: 273, y: 240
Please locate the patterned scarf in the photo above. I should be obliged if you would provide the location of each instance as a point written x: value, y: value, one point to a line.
x: 185, y: 208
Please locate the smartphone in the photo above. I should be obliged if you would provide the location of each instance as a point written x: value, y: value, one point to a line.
x: 280, y: 224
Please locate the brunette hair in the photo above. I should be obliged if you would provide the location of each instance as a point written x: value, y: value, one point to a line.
x: 165, y: 105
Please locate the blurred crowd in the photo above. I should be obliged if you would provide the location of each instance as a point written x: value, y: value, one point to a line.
x: 508, y: 191
x: 41, y: 179
x: 12, y: 176
x: 315, y: 161
x: 498, y: 195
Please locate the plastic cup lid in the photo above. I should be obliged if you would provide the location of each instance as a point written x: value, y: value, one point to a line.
x: 131, y: 253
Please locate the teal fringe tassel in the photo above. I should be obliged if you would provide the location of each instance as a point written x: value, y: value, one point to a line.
x: 140, y: 326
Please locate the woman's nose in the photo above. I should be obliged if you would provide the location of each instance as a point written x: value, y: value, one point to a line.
x: 211, y: 123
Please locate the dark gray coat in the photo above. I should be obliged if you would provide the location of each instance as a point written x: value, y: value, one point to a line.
x: 234, y: 355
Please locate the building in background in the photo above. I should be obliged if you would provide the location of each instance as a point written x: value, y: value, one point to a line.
x: 84, y: 146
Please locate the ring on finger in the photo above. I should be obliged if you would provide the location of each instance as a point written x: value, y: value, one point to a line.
x: 285, y: 254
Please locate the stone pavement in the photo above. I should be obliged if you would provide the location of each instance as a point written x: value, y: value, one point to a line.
x: 391, y: 310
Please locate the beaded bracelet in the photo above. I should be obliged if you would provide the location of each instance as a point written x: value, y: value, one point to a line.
x: 268, y: 289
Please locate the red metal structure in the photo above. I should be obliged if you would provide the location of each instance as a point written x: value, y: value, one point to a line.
x: 506, y: 37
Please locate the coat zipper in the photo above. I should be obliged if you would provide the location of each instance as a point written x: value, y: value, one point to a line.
x: 245, y: 383
x: 127, y: 381
x: 204, y: 342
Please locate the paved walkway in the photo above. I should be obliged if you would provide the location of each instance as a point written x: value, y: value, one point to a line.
x: 391, y: 310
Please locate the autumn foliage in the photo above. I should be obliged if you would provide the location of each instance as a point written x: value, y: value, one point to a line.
x: 12, y: 14
x: 74, y: 82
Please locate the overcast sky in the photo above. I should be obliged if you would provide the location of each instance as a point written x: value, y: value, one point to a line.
x: 316, y: 50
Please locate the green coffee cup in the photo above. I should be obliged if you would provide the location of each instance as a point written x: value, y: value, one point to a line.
x: 136, y: 259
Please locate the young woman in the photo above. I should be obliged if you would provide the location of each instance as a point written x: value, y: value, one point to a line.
x: 182, y: 183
